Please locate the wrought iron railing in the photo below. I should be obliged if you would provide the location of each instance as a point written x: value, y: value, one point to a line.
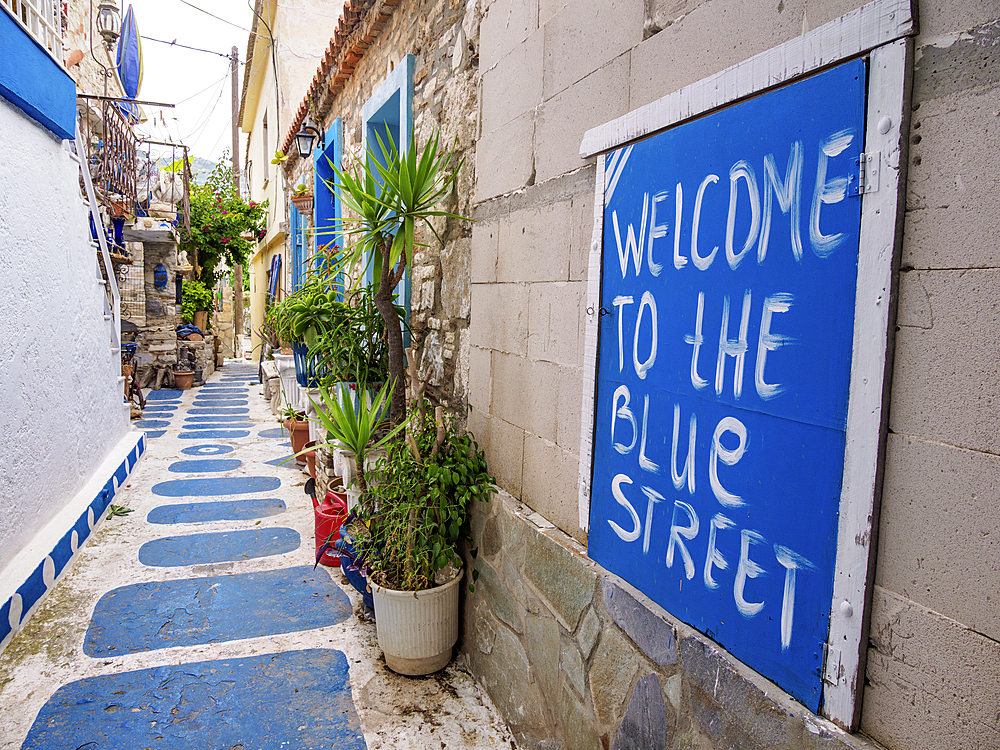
x: 41, y: 19
x: 113, y: 160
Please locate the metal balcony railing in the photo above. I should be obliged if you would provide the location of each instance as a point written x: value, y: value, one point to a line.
x: 111, y: 156
x: 41, y: 19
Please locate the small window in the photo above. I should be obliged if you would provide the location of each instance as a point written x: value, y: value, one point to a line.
x: 264, y: 143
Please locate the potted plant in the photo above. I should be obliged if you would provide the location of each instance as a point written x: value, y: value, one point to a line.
x: 388, y: 197
x: 302, y: 198
x: 196, y: 303
x: 298, y: 430
x: 411, y: 518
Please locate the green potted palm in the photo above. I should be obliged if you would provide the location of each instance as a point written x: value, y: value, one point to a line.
x: 387, y: 199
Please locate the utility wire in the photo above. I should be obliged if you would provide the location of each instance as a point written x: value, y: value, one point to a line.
x: 175, y: 43
x: 219, y: 18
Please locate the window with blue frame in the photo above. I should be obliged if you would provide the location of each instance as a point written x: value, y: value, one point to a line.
x: 388, y: 114
x: 327, y: 208
x: 298, y: 247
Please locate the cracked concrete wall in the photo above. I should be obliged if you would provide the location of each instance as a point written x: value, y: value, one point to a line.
x: 550, y: 70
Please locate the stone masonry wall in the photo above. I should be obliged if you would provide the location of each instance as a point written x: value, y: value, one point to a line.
x: 577, y: 659
x: 443, y: 35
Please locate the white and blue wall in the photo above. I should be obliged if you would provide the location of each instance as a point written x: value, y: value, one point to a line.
x: 65, y: 439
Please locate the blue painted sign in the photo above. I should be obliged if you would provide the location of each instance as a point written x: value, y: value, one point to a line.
x: 727, y: 321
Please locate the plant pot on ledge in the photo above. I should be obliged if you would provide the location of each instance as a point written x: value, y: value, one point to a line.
x: 303, y: 202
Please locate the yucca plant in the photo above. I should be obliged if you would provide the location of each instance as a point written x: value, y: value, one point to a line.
x: 389, y: 197
x: 355, y: 429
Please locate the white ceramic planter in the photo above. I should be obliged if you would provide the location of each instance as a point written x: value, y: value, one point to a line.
x: 417, y: 629
x: 291, y: 392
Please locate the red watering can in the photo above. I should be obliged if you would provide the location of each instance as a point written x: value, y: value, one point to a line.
x: 330, y: 515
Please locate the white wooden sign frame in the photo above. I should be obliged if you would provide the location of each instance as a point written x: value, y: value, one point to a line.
x: 880, y: 30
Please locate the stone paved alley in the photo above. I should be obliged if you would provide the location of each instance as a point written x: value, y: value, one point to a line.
x: 197, y: 620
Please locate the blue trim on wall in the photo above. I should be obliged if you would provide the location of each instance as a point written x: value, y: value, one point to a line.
x: 295, y: 220
x: 34, y: 587
x: 390, y: 109
x: 33, y: 81
x: 328, y: 210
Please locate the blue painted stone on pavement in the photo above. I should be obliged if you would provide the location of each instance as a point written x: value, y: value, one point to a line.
x: 275, y: 432
x: 290, y: 458
x: 214, y: 609
x: 219, y: 410
x: 150, y: 423
x: 218, y: 418
x: 218, y: 546
x: 296, y: 700
x: 225, y: 395
x: 219, y: 426
x: 159, y: 407
x: 219, y: 510
x: 165, y: 394
x: 204, y: 465
x: 220, y: 434
x: 215, y: 402
x: 212, y: 486
x: 207, y: 450
x: 155, y: 433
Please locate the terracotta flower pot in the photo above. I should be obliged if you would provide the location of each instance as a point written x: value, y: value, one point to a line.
x: 299, y: 430
x: 303, y: 202
x: 311, y: 458
x: 184, y: 380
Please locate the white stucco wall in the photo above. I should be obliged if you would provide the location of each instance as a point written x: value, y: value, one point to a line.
x: 61, y: 410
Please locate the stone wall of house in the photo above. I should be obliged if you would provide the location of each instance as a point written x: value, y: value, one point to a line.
x: 575, y: 658
x: 443, y: 35
x: 83, y: 63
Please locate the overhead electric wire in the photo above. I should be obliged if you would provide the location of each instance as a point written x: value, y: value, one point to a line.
x: 206, y: 114
x: 219, y: 18
x: 175, y: 43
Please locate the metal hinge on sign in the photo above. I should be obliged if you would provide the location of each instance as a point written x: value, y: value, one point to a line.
x: 867, y: 178
x: 831, y: 674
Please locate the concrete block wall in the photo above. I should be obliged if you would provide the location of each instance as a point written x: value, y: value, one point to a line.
x: 550, y: 71
x: 575, y: 658
x: 934, y: 652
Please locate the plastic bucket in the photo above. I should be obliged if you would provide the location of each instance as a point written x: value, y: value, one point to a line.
x: 330, y: 515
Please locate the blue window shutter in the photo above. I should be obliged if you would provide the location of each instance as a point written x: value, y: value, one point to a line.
x: 390, y: 111
x: 296, y: 233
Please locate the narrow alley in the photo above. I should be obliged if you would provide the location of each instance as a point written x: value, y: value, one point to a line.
x: 197, y: 620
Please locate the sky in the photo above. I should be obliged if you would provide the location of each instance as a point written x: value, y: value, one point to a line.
x: 198, y: 83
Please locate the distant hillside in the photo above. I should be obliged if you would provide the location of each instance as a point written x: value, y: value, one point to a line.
x: 200, y: 168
